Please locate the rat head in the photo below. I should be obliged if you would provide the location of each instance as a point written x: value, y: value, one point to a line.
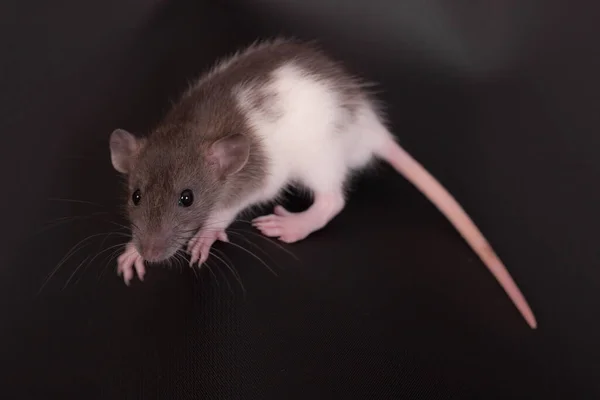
x: 172, y: 187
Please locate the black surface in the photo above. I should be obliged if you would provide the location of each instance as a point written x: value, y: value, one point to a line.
x: 499, y: 101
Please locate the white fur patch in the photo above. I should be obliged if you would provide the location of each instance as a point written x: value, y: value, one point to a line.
x: 310, y: 140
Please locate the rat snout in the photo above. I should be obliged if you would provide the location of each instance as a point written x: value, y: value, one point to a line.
x: 153, y: 249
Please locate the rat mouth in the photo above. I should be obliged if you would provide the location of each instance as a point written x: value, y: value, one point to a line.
x: 162, y: 257
x: 155, y: 260
x: 157, y: 254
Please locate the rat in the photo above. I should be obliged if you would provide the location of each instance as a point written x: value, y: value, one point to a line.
x: 279, y: 112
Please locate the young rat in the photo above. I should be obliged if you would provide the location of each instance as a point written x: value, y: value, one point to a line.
x: 278, y: 113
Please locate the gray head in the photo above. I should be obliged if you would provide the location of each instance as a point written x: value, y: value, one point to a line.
x: 172, y: 186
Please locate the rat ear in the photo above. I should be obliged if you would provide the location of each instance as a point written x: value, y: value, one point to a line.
x: 124, y: 147
x: 230, y: 154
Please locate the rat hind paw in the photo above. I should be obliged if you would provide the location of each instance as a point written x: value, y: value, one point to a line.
x: 130, y: 261
x: 286, y: 226
x: 199, y: 246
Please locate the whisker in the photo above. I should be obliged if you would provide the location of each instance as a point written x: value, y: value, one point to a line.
x: 115, y: 246
x: 71, y: 252
x: 237, y: 234
x: 181, y: 263
x: 180, y: 257
x: 177, y: 255
x: 253, y: 255
x: 104, y: 240
x: 176, y: 265
x: 196, y: 274
x: 213, y: 274
x: 74, y: 272
x: 75, y: 201
x: 119, y: 225
x: 268, y: 240
x: 55, y: 223
x: 225, y: 277
x: 111, y: 258
x: 134, y: 226
x: 67, y: 217
x: 230, y: 267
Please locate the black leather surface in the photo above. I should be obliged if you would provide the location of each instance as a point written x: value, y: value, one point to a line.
x: 499, y: 101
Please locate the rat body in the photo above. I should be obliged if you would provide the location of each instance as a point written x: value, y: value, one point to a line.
x: 278, y: 113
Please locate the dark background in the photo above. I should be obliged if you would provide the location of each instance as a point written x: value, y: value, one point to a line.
x: 498, y: 99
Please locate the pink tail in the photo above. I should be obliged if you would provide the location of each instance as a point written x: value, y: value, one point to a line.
x: 445, y: 202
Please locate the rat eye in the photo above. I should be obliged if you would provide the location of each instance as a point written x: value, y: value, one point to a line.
x: 136, y: 197
x: 186, y: 198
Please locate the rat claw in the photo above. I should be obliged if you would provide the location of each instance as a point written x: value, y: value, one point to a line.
x: 191, y: 244
x: 268, y: 224
x: 199, y: 254
x: 278, y: 212
x: 130, y: 262
x: 203, y: 258
x: 139, y: 268
x: 199, y: 246
x: 127, y: 275
x: 261, y: 219
x: 194, y: 257
x: 222, y: 236
x: 271, y: 226
x: 122, y: 257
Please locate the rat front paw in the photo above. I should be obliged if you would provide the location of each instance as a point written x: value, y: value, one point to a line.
x: 129, y: 261
x: 199, y: 246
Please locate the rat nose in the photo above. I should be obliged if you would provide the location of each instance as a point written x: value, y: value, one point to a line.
x: 153, y: 253
x: 153, y: 250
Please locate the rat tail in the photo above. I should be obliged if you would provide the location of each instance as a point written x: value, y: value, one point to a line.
x: 416, y: 174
